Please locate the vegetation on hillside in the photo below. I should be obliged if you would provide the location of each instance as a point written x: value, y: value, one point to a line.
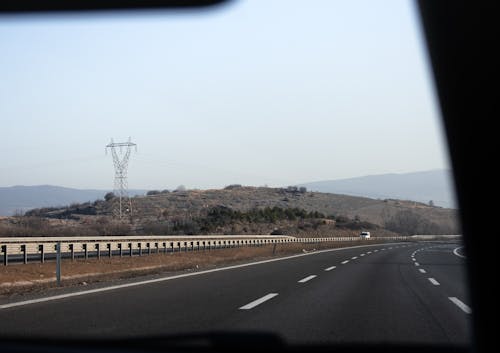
x: 235, y: 209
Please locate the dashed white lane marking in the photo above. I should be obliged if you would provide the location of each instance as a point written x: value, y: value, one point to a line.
x: 163, y: 279
x: 330, y: 268
x: 465, y: 308
x: 433, y: 281
x: 361, y: 254
x: 382, y: 249
x: 417, y: 264
x: 354, y: 258
x: 375, y: 250
x: 308, y: 278
x: 259, y: 301
x: 344, y: 262
x: 369, y: 252
x: 455, y: 251
x: 422, y: 270
x: 413, y: 259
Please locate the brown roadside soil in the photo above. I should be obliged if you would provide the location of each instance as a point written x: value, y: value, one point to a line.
x: 19, y: 278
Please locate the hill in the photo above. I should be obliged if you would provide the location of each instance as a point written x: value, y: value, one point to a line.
x: 246, y: 210
x: 22, y: 198
x: 435, y: 185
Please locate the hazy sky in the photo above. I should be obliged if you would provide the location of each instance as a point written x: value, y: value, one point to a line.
x: 258, y: 92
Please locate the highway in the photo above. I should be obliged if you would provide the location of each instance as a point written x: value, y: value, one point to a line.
x: 399, y: 293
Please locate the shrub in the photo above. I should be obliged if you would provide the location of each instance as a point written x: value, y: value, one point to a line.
x: 409, y: 223
x: 278, y: 231
x: 180, y: 188
x: 232, y: 186
x: 109, y: 196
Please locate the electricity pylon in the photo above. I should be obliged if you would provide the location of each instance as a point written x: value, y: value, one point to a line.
x: 120, y: 161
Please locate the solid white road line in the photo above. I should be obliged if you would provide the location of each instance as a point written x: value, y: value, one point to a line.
x: 163, y: 279
x: 433, y: 281
x: 344, y: 262
x: 308, y: 278
x: 330, y: 268
x: 455, y: 251
x: 465, y: 308
x: 258, y: 301
x: 422, y: 270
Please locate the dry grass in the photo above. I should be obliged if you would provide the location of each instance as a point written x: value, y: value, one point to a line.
x: 36, y: 276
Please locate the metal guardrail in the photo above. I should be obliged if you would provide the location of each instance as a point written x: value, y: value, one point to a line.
x: 45, y: 247
x: 28, y: 249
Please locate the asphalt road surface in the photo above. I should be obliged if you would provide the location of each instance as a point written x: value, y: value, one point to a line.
x: 400, y: 293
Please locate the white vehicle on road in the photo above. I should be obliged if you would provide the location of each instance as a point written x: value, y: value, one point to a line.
x: 365, y: 235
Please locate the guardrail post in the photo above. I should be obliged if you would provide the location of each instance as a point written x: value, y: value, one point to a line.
x: 109, y: 249
x: 25, y: 254
x: 157, y: 248
x: 42, y: 253
x: 165, y: 247
x: 120, y: 248
x: 98, y: 248
x: 140, y: 248
x: 130, y: 247
x: 72, y: 248
x: 58, y: 263
x: 86, y: 251
x: 149, y: 248
x: 5, y: 256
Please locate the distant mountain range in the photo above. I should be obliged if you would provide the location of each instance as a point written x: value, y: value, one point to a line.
x: 23, y: 198
x: 426, y: 186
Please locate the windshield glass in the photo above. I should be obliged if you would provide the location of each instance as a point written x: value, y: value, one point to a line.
x: 274, y: 167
